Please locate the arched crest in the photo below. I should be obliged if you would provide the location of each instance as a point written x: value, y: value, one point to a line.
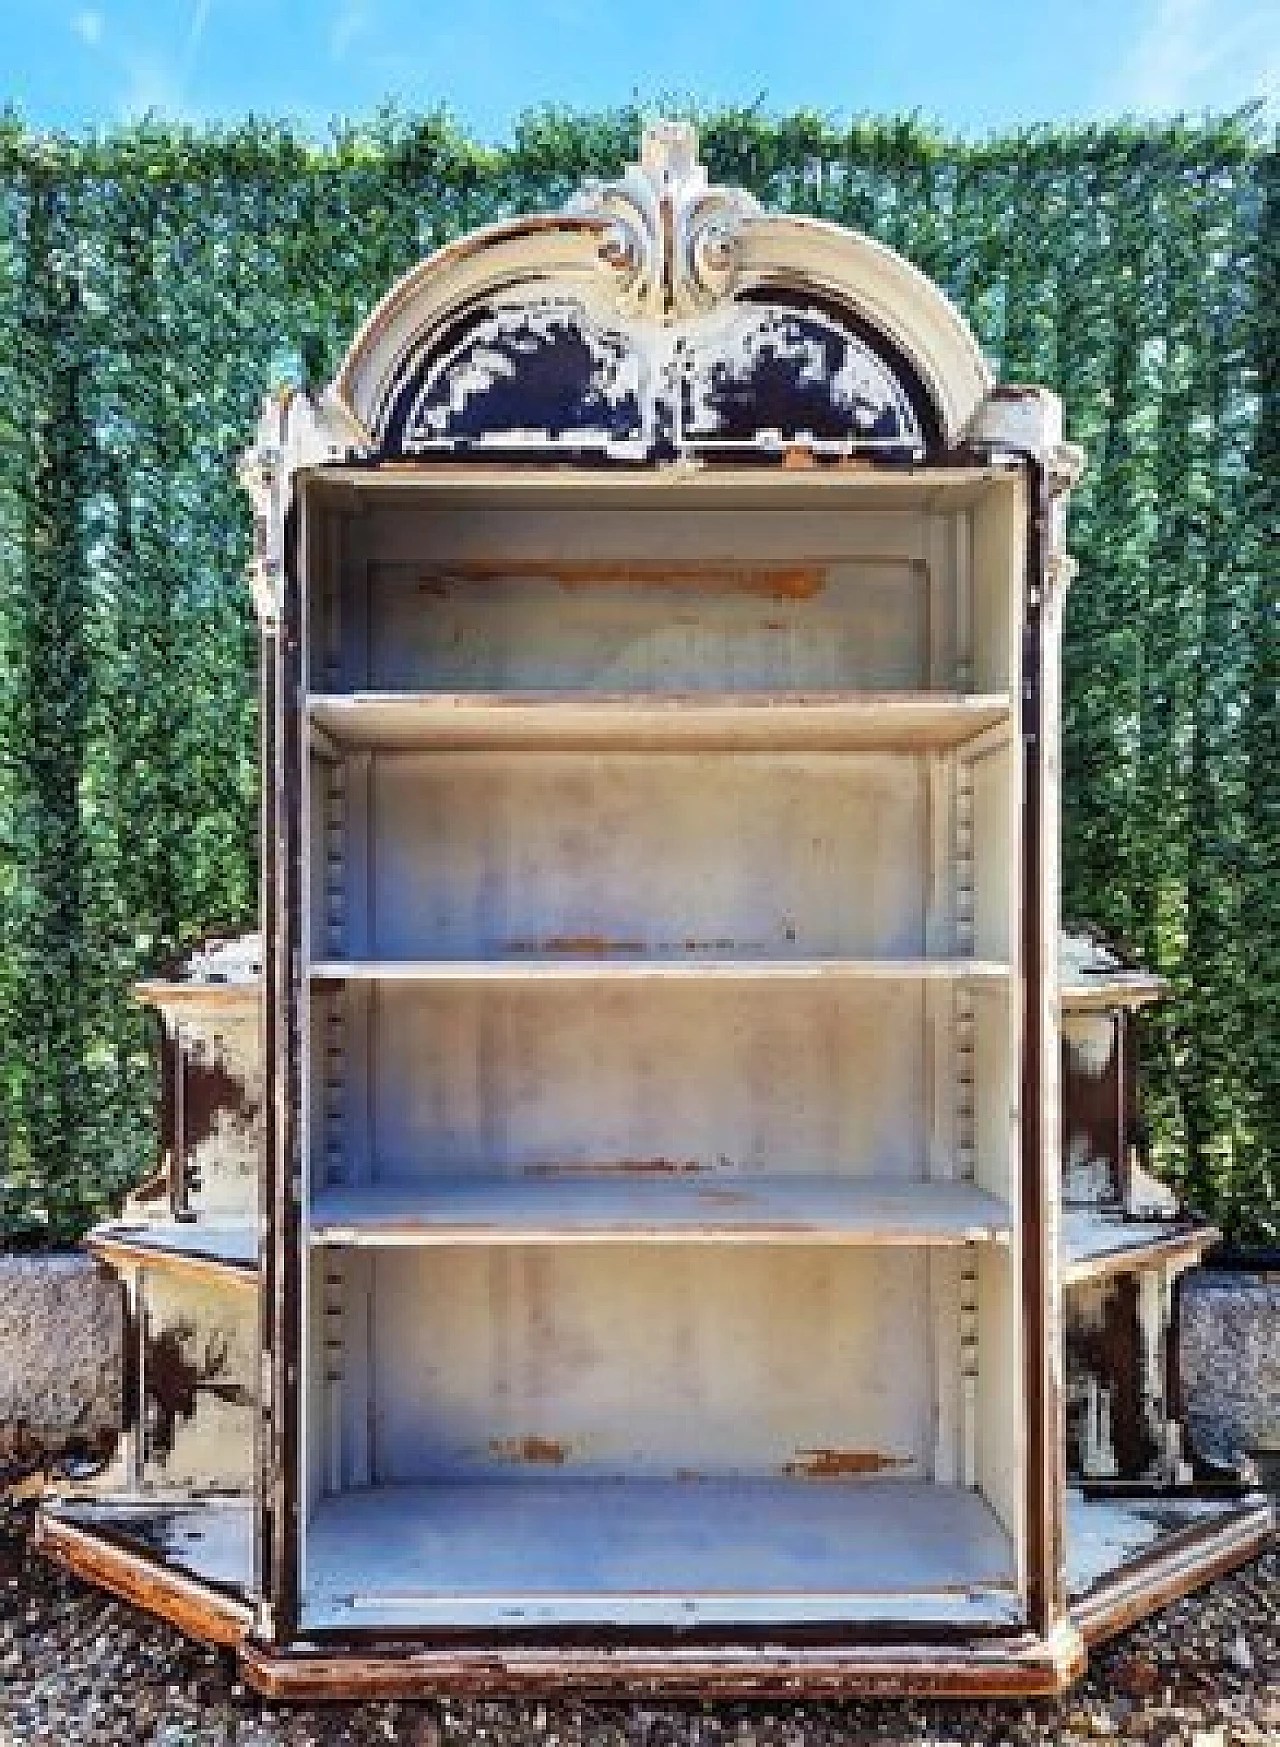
x: 662, y: 317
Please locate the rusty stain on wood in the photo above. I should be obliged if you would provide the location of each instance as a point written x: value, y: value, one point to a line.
x: 1019, y: 1668
x: 793, y: 582
x: 841, y: 1464
x: 1169, y: 1569
x: 545, y: 1452
x: 588, y: 945
x: 607, y: 1167
x: 600, y: 945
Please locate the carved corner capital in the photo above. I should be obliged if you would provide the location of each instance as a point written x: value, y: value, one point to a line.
x: 1059, y: 572
x: 1064, y: 464
x: 1028, y: 421
x: 670, y: 240
x: 293, y: 431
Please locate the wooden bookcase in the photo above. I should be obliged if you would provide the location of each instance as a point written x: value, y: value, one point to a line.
x: 655, y: 1237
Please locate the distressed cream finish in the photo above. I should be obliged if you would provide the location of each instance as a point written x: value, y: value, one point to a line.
x: 598, y: 923
x: 661, y: 1172
x: 661, y: 229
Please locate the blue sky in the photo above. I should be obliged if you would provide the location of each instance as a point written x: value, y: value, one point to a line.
x: 971, y: 65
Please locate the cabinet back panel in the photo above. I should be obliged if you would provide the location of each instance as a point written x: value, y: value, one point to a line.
x: 728, y: 627
x: 635, y: 1362
x: 479, y: 855
x: 662, y: 600
x: 769, y: 1078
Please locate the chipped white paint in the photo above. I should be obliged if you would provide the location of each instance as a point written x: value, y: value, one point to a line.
x: 1148, y: 1197
x: 1086, y: 1181
x: 1097, y: 1457
x: 1090, y: 1041
x: 293, y: 432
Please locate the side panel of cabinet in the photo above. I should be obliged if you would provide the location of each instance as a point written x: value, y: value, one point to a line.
x: 285, y: 1031
x: 1045, y: 1501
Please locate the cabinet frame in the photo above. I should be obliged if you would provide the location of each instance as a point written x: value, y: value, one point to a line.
x: 290, y: 1151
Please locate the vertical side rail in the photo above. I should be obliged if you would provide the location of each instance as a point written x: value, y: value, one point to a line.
x: 1039, y: 1074
x: 268, y: 1274
x: 282, y: 974
x: 292, y: 433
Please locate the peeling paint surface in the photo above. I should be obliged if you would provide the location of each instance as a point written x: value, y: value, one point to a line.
x: 220, y: 1115
x: 199, y: 1363
x: 1092, y: 1142
x: 555, y: 370
x: 1114, y: 1410
x: 542, y: 359
x: 841, y: 1464
x: 797, y: 375
x: 211, y: 1541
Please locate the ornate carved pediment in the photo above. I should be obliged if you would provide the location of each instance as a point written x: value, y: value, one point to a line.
x: 658, y: 316
x: 670, y: 241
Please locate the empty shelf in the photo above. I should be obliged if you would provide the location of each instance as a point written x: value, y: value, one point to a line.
x: 228, y: 1250
x: 210, y: 1538
x: 587, y: 969
x: 903, y: 721
x: 655, y: 1552
x: 1097, y: 1242
x: 637, y: 1205
x: 1104, y: 1535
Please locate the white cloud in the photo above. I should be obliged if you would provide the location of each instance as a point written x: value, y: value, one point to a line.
x: 88, y: 27
x: 1202, y: 54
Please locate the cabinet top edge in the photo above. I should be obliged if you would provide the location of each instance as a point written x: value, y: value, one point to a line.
x: 657, y: 487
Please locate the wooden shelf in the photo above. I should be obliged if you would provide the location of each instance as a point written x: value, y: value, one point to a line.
x: 635, y: 1206
x: 1098, y: 1242
x: 227, y: 1251
x: 765, y: 721
x: 660, y: 1552
x: 641, y: 970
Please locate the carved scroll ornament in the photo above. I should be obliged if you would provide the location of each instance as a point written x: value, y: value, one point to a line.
x: 671, y: 242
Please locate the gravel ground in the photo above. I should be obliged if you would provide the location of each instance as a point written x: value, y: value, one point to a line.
x: 77, y: 1667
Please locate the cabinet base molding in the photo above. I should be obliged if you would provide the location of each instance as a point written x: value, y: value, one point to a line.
x: 1006, y: 1668
x: 953, y: 1663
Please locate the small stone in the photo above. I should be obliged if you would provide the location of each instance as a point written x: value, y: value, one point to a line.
x: 1239, y: 1655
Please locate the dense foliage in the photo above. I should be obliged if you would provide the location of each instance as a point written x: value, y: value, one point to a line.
x: 152, y: 282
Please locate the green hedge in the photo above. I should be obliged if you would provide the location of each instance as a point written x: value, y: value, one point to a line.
x: 152, y: 281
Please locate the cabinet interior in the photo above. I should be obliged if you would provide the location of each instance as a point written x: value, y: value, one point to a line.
x: 661, y: 1045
